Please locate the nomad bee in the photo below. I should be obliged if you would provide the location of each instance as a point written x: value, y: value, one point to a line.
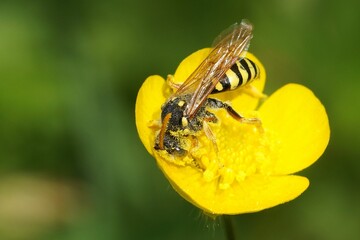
x: 226, y: 68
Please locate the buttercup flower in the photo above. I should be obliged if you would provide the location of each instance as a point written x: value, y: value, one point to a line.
x: 253, y: 167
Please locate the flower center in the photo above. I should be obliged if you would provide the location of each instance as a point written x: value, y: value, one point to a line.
x: 242, y: 150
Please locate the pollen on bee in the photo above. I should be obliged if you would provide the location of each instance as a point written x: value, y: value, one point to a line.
x: 184, y: 121
x: 181, y: 103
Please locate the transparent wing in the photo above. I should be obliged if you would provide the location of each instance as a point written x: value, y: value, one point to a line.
x: 230, y: 46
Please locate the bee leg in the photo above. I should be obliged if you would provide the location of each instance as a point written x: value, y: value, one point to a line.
x: 170, y: 80
x: 209, y: 134
x: 253, y: 92
x: 214, y: 103
x: 154, y: 124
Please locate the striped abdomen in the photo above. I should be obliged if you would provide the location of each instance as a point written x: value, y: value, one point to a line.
x: 241, y: 73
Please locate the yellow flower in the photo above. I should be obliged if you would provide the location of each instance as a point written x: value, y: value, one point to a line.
x: 253, y: 167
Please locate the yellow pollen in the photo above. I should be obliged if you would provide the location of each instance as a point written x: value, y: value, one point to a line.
x: 184, y: 121
x: 181, y: 103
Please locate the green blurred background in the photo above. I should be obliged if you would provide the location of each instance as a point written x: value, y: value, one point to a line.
x: 71, y: 163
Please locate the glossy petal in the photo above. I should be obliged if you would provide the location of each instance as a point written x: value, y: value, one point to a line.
x: 300, y: 122
x: 147, y: 109
x: 256, y: 193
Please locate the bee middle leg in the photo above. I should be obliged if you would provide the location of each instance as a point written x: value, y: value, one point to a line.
x: 210, y: 135
x: 214, y: 103
x: 170, y: 80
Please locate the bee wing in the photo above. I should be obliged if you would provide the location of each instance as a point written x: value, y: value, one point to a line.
x: 230, y: 46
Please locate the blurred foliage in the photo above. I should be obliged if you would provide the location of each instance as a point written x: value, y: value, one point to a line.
x: 69, y: 75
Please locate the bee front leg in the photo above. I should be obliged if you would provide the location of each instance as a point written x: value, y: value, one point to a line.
x: 154, y: 124
x: 170, y: 80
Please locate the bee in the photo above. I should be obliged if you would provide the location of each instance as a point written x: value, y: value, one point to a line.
x: 186, y: 112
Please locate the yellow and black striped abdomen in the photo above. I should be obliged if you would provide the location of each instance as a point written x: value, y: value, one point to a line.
x: 241, y: 73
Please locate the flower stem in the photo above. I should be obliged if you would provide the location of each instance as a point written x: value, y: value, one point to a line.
x: 229, y: 227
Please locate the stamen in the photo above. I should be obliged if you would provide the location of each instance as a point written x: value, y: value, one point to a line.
x: 243, y: 150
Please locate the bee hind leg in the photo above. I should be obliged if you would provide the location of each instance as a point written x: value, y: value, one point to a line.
x: 214, y: 103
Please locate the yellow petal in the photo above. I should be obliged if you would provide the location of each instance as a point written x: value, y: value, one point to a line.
x: 147, y: 109
x: 256, y: 193
x: 300, y: 122
x: 239, y: 100
x: 189, y: 64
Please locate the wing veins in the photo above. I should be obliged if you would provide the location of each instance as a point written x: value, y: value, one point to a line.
x: 203, y: 80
